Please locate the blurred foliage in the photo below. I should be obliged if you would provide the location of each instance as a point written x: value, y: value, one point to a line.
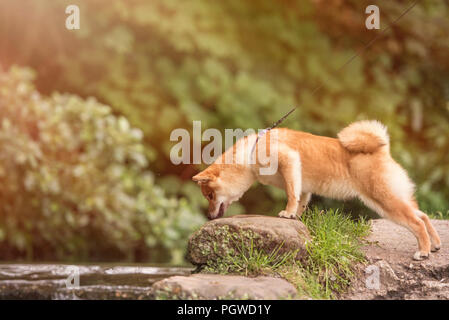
x: 73, y: 183
x: 243, y: 64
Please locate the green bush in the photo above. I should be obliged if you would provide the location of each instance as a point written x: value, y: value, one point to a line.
x: 244, y: 63
x: 74, y: 183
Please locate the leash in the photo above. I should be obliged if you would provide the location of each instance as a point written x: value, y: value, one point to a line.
x: 285, y: 116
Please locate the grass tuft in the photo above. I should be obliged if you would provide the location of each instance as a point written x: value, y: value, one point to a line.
x: 439, y: 215
x: 242, y: 255
x: 250, y: 260
x: 334, y: 250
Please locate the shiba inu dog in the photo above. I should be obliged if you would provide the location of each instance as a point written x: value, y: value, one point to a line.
x: 356, y: 164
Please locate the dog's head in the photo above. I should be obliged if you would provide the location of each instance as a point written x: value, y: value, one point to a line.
x: 221, y: 185
x: 214, y: 189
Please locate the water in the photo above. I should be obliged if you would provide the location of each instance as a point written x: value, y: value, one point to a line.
x: 99, y: 281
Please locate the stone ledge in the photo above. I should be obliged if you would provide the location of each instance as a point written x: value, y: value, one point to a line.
x: 214, y: 239
x: 215, y: 286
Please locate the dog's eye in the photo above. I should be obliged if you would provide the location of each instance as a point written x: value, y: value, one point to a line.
x: 210, y: 196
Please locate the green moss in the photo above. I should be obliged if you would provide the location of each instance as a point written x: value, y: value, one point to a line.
x: 240, y: 251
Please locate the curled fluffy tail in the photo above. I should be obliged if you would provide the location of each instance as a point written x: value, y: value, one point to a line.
x: 364, y: 136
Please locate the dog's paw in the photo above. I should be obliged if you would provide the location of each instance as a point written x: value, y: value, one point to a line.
x: 435, y: 247
x: 419, y: 255
x: 285, y: 214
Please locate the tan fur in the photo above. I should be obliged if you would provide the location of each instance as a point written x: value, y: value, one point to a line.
x: 358, y: 164
x: 364, y: 136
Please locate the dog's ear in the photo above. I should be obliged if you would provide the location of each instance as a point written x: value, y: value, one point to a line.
x: 203, y: 177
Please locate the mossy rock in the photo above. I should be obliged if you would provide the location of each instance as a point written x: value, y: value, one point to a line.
x: 220, y: 238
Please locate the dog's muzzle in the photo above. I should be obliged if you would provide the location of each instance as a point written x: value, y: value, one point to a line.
x: 220, y: 214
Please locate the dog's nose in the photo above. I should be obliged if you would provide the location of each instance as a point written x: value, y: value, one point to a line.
x: 210, y: 216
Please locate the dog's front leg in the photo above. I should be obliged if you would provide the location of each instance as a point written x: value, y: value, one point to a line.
x: 291, y: 172
x: 302, y: 205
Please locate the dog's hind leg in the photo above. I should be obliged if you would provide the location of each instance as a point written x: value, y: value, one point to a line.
x: 383, y: 185
x: 404, y: 214
x: 434, y: 237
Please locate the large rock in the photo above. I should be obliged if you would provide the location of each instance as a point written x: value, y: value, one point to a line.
x: 226, y: 236
x: 214, y: 287
x: 389, y: 260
